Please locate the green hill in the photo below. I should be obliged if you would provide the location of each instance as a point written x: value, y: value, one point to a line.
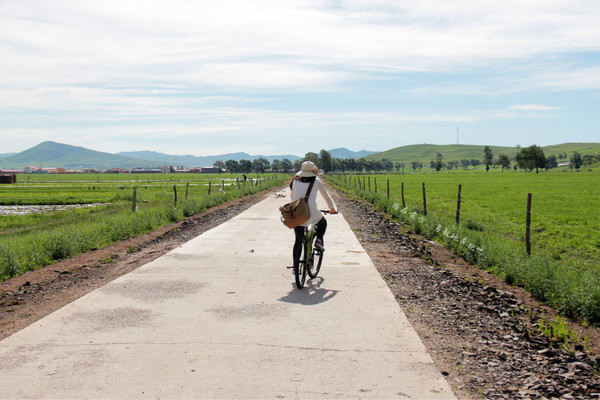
x: 54, y: 155
x: 455, y: 152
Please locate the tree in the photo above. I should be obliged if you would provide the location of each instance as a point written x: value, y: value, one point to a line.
x: 361, y: 165
x: 260, y: 165
x: 310, y: 156
x: 551, y: 162
x: 399, y: 166
x: 219, y: 164
x: 590, y: 159
x: 387, y: 165
x: 245, y: 166
x: 438, y: 162
x: 232, y: 166
x: 531, y: 157
x: 297, y: 165
x: 487, y: 157
x: 351, y: 164
x: 576, y: 160
x: 324, y: 162
x: 465, y: 163
x: 504, y: 161
x: 276, y: 165
x: 286, y: 165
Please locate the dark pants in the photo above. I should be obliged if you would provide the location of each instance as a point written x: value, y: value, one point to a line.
x: 320, y: 229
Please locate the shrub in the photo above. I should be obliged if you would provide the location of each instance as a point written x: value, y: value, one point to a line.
x: 9, y: 266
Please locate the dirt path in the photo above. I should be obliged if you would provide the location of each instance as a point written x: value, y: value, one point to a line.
x: 481, y: 332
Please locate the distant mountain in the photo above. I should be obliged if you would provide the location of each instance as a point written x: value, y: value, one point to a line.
x: 54, y: 155
x: 345, y: 153
x: 199, y: 161
x: 7, y: 155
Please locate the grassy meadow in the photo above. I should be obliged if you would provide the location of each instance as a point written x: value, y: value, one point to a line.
x: 29, y: 242
x: 564, y: 268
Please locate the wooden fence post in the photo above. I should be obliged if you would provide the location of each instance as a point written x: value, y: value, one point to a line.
x: 424, y: 201
x: 388, y: 188
x: 528, y: 225
x: 187, y: 189
x: 458, y: 205
x: 223, y: 185
x: 175, y: 192
x: 369, y: 184
x: 134, y: 207
x: 375, y: 185
x: 238, y: 182
x: 403, y: 203
x: 209, y: 182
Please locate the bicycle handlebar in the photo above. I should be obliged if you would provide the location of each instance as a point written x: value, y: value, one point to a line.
x: 327, y: 212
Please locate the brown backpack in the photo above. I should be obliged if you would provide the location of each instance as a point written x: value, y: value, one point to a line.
x: 297, y: 212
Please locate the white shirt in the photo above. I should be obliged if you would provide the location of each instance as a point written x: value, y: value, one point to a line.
x: 299, y: 191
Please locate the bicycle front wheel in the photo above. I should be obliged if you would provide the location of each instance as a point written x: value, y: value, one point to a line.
x: 316, y: 258
x: 300, y: 272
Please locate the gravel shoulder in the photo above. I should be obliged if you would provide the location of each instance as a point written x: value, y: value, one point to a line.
x: 481, y: 333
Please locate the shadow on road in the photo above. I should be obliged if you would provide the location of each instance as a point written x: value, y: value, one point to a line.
x: 311, y: 294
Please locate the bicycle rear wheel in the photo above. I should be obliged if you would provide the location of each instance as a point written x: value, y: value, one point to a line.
x: 300, y: 272
x: 316, y: 258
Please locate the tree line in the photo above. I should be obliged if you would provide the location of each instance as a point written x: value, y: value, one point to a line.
x: 528, y: 158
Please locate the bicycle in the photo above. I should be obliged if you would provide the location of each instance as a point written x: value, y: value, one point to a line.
x: 310, y: 258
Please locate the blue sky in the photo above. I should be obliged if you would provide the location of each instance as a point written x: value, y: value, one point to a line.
x: 288, y: 77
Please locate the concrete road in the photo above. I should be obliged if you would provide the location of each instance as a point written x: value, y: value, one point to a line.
x: 220, y: 317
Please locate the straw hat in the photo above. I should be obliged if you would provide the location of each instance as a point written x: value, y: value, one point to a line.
x: 308, y: 169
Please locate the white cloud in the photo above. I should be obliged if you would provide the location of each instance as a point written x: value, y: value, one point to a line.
x: 86, y: 41
x: 533, y: 107
x: 129, y: 70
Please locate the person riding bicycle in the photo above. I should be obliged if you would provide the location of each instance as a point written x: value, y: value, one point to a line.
x: 299, y: 186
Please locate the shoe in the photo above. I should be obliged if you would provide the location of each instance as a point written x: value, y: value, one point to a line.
x: 318, y: 244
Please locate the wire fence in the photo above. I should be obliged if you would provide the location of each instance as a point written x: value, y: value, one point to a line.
x: 508, y: 222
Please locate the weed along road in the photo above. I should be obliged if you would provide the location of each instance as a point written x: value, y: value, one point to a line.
x: 221, y: 317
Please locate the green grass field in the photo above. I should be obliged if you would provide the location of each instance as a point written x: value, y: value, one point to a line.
x: 564, y: 268
x: 28, y: 242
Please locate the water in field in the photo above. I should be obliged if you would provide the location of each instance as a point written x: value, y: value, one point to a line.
x: 37, y: 209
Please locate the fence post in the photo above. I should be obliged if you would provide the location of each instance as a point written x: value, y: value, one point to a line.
x: 369, y: 184
x: 175, y: 191
x: 134, y: 207
x: 375, y: 185
x: 458, y: 205
x: 209, y: 182
x: 238, y: 182
x: 403, y: 203
x: 388, y: 188
x: 528, y: 225
x: 187, y: 189
x: 424, y: 201
x: 223, y: 185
